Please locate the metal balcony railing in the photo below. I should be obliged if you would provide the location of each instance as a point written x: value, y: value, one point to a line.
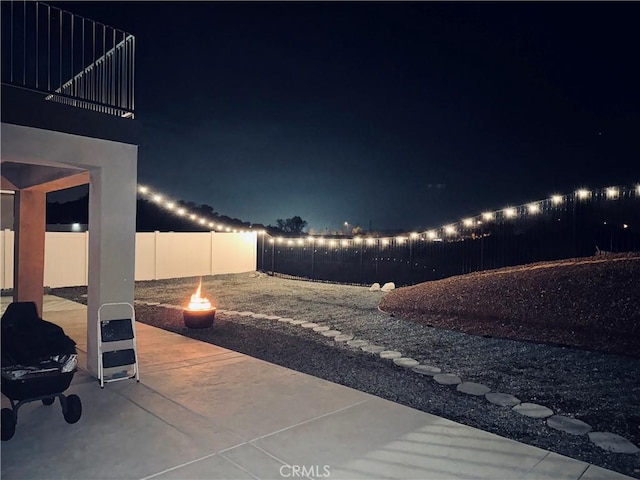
x: 71, y: 59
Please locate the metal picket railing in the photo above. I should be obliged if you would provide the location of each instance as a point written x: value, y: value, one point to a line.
x: 71, y: 59
x: 574, y: 225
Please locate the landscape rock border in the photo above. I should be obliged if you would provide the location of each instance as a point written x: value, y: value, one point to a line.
x: 605, y: 440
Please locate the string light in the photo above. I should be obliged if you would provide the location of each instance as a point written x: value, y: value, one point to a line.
x: 450, y: 230
x: 583, y: 194
x: 612, y: 192
x: 533, y: 208
x: 510, y: 212
x: 158, y: 198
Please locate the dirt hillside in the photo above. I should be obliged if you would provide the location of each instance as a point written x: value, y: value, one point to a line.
x: 591, y: 303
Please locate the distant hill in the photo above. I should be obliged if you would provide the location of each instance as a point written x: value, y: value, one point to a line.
x: 149, y: 216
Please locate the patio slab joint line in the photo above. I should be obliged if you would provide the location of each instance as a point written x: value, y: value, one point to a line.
x: 170, y: 401
x: 238, y: 465
x: 310, y: 420
x: 277, y: 459
x: 167, y: 470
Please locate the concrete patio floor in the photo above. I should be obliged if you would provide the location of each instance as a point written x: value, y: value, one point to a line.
x: 204, y: 412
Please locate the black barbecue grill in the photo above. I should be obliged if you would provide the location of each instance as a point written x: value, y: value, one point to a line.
x: 38, y: 364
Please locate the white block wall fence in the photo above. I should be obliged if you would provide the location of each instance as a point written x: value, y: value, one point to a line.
x: 159, y: 255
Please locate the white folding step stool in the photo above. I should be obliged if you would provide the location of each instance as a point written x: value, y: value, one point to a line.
x: 117, y: 346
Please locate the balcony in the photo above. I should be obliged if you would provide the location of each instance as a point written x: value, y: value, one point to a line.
x: 69, y: 59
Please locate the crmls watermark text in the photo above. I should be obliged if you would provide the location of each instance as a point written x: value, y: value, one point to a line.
x: 295, y: 471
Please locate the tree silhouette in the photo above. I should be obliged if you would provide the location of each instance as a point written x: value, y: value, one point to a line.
x: 292, y: 225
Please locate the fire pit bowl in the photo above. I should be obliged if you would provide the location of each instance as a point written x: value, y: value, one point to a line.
x: 198, y: 318
x: 200, y: 313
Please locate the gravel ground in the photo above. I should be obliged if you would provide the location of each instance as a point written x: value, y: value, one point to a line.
x: 598, y: 388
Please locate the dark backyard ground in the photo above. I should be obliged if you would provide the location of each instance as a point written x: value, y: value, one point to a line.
x: 564, y: 335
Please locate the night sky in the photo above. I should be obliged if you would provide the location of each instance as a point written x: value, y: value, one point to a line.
x: 402, y: 115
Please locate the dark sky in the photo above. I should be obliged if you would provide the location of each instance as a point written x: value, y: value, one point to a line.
x: 405, y: 115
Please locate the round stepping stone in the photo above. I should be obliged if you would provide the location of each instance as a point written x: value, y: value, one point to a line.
x: 153, y: 304
x: 357, y: 343
x: 373, y: 349
x: 406, y: 362
x: 345, y: 337
x: 321, y: 328
x: 245, y: 314
x: 426, y: 370
x: 275, y: 317
x: 293, y: 322
x: 447, y: 379
x: 472, y: 388
x: 309, y: 325
x: 288, y: 320
x: 390, y: 354
x: 232, y: 312
x: 533, y: 410
x: 331, y: 333
x: 218, y: 311
x: 569, y: 425
x: 613, y: 443
x: 259, y: 315
x: 502, y: 399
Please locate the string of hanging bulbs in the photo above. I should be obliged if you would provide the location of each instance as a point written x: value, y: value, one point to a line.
x: 436, y: 234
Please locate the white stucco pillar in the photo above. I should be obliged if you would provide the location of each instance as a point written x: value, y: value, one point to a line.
x: 48, y: 156
x: 112, y: 227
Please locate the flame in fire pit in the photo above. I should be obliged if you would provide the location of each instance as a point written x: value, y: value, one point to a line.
x: 197, y: 302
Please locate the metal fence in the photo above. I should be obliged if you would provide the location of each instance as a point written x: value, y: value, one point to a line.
x: 574, y: 225
x: 75, y: 61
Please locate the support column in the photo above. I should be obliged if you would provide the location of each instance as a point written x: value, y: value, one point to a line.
x: 30, y: 223
x: 112, y: 230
